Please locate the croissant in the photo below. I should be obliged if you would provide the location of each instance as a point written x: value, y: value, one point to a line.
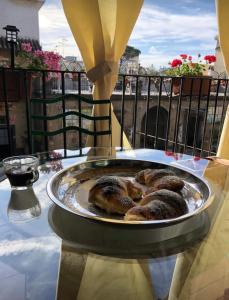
x: 175, y: 200
x: 172, y: 183
x: 134, y: 191
x: 149, y: 176
x: 154, y: 210
x: 114, y: 194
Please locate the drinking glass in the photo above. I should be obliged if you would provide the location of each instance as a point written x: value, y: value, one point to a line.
x: 21, y: 171
x: 23, y: 206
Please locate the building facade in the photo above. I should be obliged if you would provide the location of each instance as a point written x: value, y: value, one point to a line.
x: 219, y: 67
x: 24, y: 14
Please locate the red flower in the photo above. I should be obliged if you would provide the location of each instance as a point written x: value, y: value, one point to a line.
x: 176, y: 62
x: 210, y: 58
x: 183, y: 56
x: 196, y: 158
x: 190, y: 58
x: 168, y: 153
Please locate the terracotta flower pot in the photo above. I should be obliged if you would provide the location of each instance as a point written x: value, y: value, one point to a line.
x: 187, y: 86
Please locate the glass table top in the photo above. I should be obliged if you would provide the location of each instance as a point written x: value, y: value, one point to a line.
x: 37, y: 262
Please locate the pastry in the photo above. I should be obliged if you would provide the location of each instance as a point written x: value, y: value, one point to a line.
x: 149, y: 176
x: 172, y: 183
x: 154, y: 210
x: 113, y: 194
x: 172, y: 198
x: 133, y: 190
x: 140, y: 176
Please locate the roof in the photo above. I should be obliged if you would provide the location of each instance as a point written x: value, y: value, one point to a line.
x: 34, y: 43
x: 72, y: 66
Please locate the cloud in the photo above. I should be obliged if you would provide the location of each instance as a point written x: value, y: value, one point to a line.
x: 45, y: 244
x: 155, y: 57
x: 55, y: 33
x: 160, y: 57
x: 159, y: 33
x: 155, y: 24
x: 188, y: 1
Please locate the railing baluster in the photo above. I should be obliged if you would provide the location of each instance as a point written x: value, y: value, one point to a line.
x: 135, y: 113
x: 188, y: 116
x: 122, y: 110
x: 110, y: 124
x: 206, y: 117
x: 213, y: 123
x: 158, y: 111
x: 7, y: 110
x: 80, y: 110
x: 63, y: 111
x: 95, y: 136
x: 169, y: 115
x: 27, y: 109
x: 178, y: 117
x: 44, y: 109
x: 222, y: 118
x: 147, y: 111
x: 196, y: 130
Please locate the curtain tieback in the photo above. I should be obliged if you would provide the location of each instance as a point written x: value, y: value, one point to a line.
x: 102, y: 69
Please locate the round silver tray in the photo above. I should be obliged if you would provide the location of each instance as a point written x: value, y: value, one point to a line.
x: 69, y: 190
x: 88, y: 235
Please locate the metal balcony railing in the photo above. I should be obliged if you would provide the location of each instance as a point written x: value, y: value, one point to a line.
x: 174, y: 114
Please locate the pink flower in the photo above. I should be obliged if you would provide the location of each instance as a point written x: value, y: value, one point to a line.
x: 183, y: 56
x: 176, y: 62
x: 50, y: 59
x: 190, y: 58
x: 42, y: 60
x: 26, y: 47
x: 39, y: 53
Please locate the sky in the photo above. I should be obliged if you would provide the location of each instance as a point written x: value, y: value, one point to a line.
x: 164, y: 29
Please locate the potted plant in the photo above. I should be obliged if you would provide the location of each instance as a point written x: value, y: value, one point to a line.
x: 28, y: 59
x: 191, y: 74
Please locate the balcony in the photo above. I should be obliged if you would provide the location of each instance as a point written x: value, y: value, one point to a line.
x: 151, y: 112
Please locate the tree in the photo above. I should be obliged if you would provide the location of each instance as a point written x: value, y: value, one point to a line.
x: 142, y: 70
x: 129, y: 61
x: 131, y: 52
x: 152, y: 70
